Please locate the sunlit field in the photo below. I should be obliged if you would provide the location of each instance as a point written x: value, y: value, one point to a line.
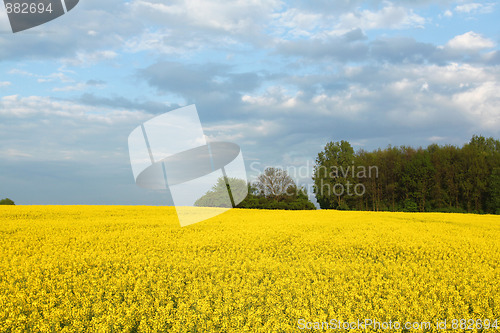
x: 134, y: 269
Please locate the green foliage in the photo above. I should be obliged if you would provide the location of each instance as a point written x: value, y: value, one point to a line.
x: 218, y: 195
x: 288, y: 198
x: 294, y: 199
x: 6, y: 202
x: 436, y: 178
x: 410, y: 206
x: 494, y: 192
x: 331, y: 166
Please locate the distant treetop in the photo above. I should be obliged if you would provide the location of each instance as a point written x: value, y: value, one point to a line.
x: 7, y: 201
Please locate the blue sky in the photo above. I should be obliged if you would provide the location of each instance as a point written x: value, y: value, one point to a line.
x: 280, y: 78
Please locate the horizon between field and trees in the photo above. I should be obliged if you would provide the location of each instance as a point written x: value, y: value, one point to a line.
x: 439, y: 178
x: 433, y: 179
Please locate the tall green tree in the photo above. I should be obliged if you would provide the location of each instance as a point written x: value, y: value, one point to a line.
x: 332, y: 174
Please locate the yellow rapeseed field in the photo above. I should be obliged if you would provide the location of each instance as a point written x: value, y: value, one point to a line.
x: 134, y: 269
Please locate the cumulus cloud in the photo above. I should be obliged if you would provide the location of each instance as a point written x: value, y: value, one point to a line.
x: 481, y: 104
x: 470, y: 41
x: 418, y: 98
x: 294, y: 23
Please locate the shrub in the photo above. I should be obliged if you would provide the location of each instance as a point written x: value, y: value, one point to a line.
x: 7, y: 201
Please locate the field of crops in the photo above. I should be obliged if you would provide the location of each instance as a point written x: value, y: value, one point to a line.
x: 133, y: 269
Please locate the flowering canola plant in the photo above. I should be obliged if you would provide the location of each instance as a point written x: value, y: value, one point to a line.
x: 133, y: 269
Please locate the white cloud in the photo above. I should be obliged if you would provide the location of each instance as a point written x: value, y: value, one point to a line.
x: 448, y: 13
x: 481, y: 104
x: 165, y: 41
x: 475, y: 8
x: 58, y: 76
x: 234, y: 17
x: 46, y: 129
x: 87, y: 59
x: 160, y: 7
x: 467, y: 8
x: 16, y: 71
x: 470, y: 41
x: 389, y: 17
x: 275, y: 96
x: 33, y: 107
x: 4, y: 84
x: 247, y: 132
x: 76, y: 87
x: 14, y: 153
x: 453, y: 76
x: 296, y: 23
x: 425, y: 98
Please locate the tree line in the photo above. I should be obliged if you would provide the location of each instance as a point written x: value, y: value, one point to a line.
x: 273, y: 189
x: 433, y: 179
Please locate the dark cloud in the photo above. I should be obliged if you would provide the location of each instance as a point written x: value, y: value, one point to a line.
x: 126, y: 104
x: 394, y: 50
x: 402, y: 50
x: 342, y: 49
x: 194, y: 80
x: 214, y: 88
x: 354, y: 35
